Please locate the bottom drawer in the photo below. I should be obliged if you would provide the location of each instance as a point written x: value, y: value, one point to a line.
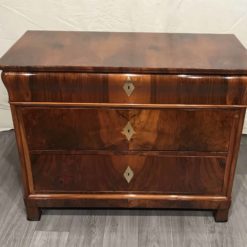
x: 56, y: 173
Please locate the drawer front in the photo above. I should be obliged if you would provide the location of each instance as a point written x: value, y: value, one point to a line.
x: 126, y: 88
x: 119, y: 129
x: 127, y: 173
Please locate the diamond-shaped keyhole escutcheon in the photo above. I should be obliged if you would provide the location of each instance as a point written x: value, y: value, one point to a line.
x: 128, y: 174
x: 128, y: 131
x: 128, y: 87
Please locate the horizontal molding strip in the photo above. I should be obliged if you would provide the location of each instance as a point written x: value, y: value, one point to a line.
x: 133, y: 152
x: 127, y: 196
x: 124, y: 105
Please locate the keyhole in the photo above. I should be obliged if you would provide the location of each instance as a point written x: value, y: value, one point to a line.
x: 128, y: 131
x: 128, y: 174
x: 128, y: 87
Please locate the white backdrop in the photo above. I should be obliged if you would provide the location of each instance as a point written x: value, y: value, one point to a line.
x: 206, y: 16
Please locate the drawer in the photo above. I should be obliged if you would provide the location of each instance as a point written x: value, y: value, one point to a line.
x: 126, y: 88
x: 52, y: 128
x: 127, y: 173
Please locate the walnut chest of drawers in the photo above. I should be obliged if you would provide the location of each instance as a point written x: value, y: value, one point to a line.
x: 128, y: 120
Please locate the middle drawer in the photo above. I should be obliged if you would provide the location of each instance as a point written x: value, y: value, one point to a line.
x: 54, y: 128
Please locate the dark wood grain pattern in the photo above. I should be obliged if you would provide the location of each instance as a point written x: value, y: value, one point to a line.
x: 70, y: 110
x: 105, y: 173
x: 108, y: 88
x: 106, y: 227
x: 126, y: 53
x: 102, y: 129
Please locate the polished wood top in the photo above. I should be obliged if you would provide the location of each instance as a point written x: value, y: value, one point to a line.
x: 126, y: 53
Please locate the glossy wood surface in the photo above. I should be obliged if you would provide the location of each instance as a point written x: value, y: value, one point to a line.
x: 70, y: 110
x: 128, y: 201
x: 108, y: 88
x: 106, y: 227
x: 105, y: 173
x: 102, y: 129
x: 126, y: 53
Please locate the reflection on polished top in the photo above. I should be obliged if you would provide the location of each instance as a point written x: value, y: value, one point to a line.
x: 126, y: 53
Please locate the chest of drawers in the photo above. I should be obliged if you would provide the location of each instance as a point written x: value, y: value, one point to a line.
x: 128, y: 120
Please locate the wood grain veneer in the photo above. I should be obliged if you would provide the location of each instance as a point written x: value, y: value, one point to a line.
x: 101, y: 129
x: 108, y: 88
x: 126, y: 53
x: 89, y: 108
x: 55, y: 173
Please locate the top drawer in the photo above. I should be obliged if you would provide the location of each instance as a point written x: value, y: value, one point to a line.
x: 123, y: 88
